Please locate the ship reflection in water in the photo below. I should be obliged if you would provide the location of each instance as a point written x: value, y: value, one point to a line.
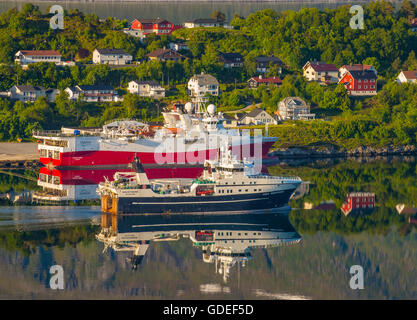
x: 225, y: 240
x: 61, y: 185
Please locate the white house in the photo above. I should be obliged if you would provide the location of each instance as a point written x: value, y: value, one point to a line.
x: 111, y: 56
x: 147, y: 89
x: 203, y: 23
x: 202, y: 84
x: 25, y: 57
x: 258, y: 116
x: 178, y: 46
x: 92, y: 93
x: 294, y: 108
x: 321, y: 72
x: 29, y: 93
x: 407, y: 76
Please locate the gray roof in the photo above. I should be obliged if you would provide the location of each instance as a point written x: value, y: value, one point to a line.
x: 205, y: 79
x: 255, y: 112
x: 29, y: 88
x: 295, y: 101
x: 206, y: 20
x: 95, y: 87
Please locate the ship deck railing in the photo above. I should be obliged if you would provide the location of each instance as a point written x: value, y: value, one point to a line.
x: 59, y: 133
x: 264, y: 176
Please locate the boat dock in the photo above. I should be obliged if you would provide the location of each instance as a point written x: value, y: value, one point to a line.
x: 19, y: 155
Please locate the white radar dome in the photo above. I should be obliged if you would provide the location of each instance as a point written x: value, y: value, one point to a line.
x: 189, y: 107
x: 211, y: 108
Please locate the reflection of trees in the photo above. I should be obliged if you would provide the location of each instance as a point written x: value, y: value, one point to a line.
x: 380, y: 221
x: 392, y: 182
x: 26, y: 241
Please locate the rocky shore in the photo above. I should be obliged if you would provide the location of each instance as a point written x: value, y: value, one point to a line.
x: 330, y: 151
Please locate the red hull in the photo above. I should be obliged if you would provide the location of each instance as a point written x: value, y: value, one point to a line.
x: 87, y: 177
x: 108, y: 158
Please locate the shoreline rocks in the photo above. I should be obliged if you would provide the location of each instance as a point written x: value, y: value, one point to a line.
x: 330, y: 151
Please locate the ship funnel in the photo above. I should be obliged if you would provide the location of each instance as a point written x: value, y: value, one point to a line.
x: 140, y: 171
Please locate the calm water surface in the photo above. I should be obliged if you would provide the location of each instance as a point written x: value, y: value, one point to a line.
x: 302, y: 254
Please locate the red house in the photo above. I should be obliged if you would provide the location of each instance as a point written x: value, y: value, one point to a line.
x: 360, y: 82
x: 158, y: 26
x: 358, y: 201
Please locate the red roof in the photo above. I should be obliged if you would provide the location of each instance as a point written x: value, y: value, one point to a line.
x: 40, y: 52
x: 267, y: 80
x: 357, y: 67
x: 410, y: 75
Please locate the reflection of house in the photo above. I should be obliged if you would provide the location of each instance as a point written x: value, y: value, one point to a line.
x: 325, y: 205
x: 359, y: 202
x: 111, y: 56
x: 407, y: 76
x: 321, y: 72
x: 413, y: 24
x: 294, y: 108
x: 202, y: 84
x: 403, y: 209
x: 263, y: 63
x: 197, y: 23
x: 147, y: 89
x: 231, y: 60
x: 165, y: 55
x: 31, y: 93
x: 255, y: 82
x: 25, y: 57
x: 258, y: 116
x: 92, y: 93
x: 360, y: 83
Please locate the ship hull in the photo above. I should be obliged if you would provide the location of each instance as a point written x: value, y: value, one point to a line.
x: 203, y: 204
x: 111, y: 155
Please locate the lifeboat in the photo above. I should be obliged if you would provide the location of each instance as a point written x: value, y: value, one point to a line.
x: 205, y: 192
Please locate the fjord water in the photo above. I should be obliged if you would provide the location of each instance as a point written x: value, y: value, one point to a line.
x: 382, y: 241
x: 175, y: 11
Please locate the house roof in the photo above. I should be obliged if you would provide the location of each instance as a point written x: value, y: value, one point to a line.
x: 206, y: 20
x: 365, y: 74
x: 321, y: 66
x: 357, y: 67
x: 205, y: 79
x: 255, y: 112
x: 95, y: 87
x: 40, y: 52
x: 147, y: 21
x: 293, y: 101
x: 264, y: 59
x: 164, y: 53
x: 410, y: 75
x: 112, y: 51
x: 231, y: 57
x: 152, y: 83
x: 29, y: 88
x: 267, y: 80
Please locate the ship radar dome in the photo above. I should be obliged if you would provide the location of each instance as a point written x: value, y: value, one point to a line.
x: 211, y: 108
x: 189, y: 107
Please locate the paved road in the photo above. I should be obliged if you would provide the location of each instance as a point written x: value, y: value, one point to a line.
x: 18, y: 151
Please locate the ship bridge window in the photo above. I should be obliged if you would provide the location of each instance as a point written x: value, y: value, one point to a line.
x: 44, y: 153
x: 56, y: 155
